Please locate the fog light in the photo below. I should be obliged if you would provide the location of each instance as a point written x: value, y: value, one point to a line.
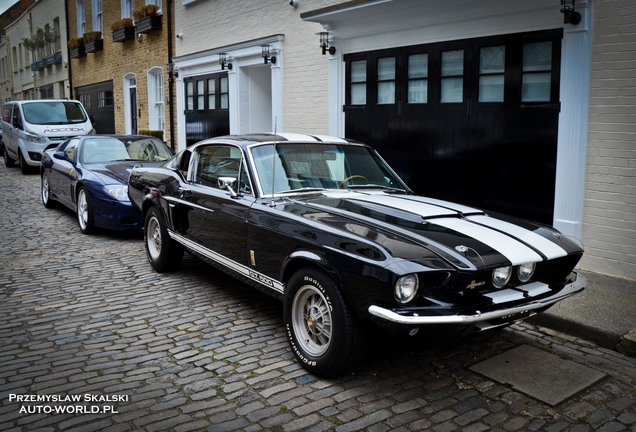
x: 501, y: 276
x: 406, y: 288
x: 525, y: 272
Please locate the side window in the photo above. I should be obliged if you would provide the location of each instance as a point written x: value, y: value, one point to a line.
x: 6, y: 113
x: 71, y: 149
x: 216, y: 161
x: 17, y: 119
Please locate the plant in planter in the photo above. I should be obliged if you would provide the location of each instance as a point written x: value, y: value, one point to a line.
x: 76, y: 47
x: 123, y: 30
x: 147, y: 18
x: 93, y: 41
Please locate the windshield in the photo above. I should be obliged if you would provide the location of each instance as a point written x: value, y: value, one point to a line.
x: 53, y: 112
x: 111, y: 149
x: 306, y: 167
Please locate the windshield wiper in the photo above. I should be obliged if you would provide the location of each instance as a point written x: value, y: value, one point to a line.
x: 304, y: 189
x: 386, y: 189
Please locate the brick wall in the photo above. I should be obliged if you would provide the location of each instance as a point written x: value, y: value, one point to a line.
x: 609, y: 230
x: 121, y: 58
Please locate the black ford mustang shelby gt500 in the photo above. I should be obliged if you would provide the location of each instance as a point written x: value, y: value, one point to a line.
x: 326, y: 225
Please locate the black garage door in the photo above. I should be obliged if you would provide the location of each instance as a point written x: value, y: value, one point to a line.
x: 98, y: 101
x: 207, y: 112
x: 473, y: 121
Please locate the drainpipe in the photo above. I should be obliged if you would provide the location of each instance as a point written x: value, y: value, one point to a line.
x: 68, y: 57
x: 170, y: 74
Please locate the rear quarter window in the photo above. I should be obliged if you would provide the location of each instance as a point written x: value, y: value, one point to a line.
x: 6, y: 113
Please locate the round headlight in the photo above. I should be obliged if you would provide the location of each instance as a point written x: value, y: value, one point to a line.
x: 406, y: 288
x: 525, y: 272
x: 501, y: 276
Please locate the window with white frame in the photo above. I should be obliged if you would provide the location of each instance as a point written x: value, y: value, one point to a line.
x: 81, y: 17
x: 97, y: 15
x: 156, y: 100
x: 127, y: 7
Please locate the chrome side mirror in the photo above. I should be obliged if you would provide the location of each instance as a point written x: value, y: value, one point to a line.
x: 229, y: 184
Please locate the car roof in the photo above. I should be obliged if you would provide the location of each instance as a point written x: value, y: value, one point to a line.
x: 259, y: 138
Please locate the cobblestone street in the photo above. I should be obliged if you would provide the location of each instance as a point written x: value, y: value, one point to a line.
x: 87, y: 317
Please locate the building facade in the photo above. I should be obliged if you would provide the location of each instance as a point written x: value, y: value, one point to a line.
x: 119, y: 68
x: 488, y: 103
x: 36, y: 62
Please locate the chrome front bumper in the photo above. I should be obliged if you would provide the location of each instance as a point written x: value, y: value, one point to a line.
x: 522, y: 311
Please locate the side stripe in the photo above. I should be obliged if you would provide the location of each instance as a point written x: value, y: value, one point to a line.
x: 543, y: 245
x: 229, y: 263
x: 515, y: 251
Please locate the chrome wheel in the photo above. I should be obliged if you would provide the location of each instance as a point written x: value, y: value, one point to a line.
x: 153, y: 237
x: 312, y: 321
x: 46, y: 190
x: 85, y: 212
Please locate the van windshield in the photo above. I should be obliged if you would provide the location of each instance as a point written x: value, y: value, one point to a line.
x: 53, y: 112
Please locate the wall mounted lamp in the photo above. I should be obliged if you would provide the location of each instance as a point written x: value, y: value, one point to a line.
x: 570, y: 16
x: 324, y: 44
x: 223, y: 61
x: 266, y: 57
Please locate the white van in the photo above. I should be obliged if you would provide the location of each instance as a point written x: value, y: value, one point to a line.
x: 30, y: 126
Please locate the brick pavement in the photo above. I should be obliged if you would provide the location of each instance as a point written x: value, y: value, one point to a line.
x: 196, y: 350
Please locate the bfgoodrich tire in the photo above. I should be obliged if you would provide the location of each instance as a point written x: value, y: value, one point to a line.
x: 323, y: 333
x: 164, y: 254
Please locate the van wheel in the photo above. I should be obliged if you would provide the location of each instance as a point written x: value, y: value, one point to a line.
x: 24, y: 167
x: 8, y: 162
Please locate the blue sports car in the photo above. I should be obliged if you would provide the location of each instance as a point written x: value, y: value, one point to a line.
x: 89, y: 174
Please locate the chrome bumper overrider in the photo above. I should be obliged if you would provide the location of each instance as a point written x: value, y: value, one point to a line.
x: 525, y: 310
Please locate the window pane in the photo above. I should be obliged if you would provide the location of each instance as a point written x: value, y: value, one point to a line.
x: 386, y: 68
x: 418, y: 66
x: 452, y: 90
x: 386, y: 92
x: 359, y: 71
x: 225, y: 101
x: 358, y: 94
x: 453, y: 63
x: 189, y: 95
x: 535, y: 87
x: 418, y: 91
x: 491, y: 88
x: 537, y: 56
x: 492, y: 59
x: 223, y: 84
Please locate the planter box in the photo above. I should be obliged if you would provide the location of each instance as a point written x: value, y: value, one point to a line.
x: 94, y: 46
x: 148, y: 24
x: 53, y: 59
x: 123, y: 34
x: 78, y: 52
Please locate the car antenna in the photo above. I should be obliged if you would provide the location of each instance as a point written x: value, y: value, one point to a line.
x: 273, y: 203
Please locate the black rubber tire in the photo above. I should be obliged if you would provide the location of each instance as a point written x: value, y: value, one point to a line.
x: 24, y: 167
x: 8, y: 161
x: 164, y: 254
x: 324, y: 335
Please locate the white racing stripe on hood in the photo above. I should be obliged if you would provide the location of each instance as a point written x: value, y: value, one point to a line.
x: 516, y: 252
x: 423, y: 209
x: 542, y: 244
x: 447, y: 204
